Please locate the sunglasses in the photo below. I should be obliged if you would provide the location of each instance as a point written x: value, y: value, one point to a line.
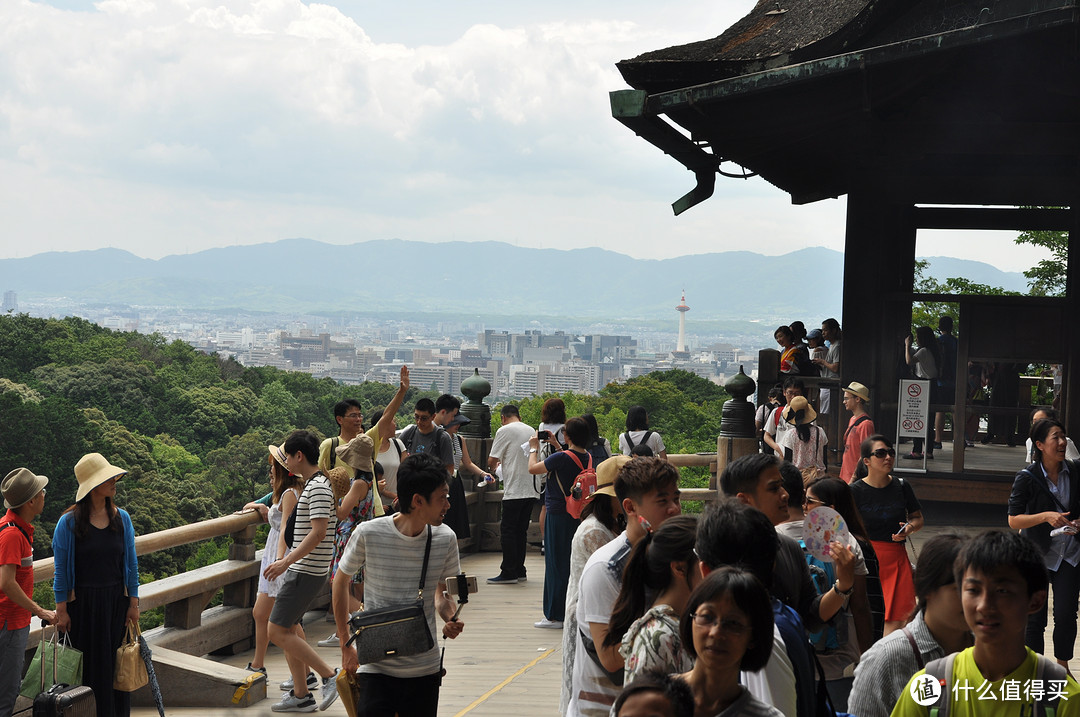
x: 883, y: 453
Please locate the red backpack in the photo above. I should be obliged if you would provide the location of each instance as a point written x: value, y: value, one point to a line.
x: 584, y: 487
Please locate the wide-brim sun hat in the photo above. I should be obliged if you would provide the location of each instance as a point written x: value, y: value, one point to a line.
x: 606, y: 472
x: 20, y: 486
x: 857, y: 389
x: 278, y: 452
x: 799, y: 411
x: 91, y: 471
x: 357, y: 453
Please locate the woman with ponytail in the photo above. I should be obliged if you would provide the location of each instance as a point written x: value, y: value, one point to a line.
x: 805, y: 446
x: 664, y: 564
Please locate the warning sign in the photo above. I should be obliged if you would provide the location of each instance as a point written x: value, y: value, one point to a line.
x: 914, y: 409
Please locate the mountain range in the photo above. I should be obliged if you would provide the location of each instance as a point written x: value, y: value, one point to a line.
x: 461, y: 279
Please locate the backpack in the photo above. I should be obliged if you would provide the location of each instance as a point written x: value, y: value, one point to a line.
x: 584, y: 487
x: 598, y: 451
x: 823, y: 575
x: 1047, y: 672
x: 630, y: 442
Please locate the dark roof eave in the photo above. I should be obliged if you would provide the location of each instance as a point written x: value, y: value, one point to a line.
x: 826, y: 67
x: 640, y: 111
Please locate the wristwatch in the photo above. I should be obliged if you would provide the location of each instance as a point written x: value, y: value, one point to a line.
x: 532, y: 450
x: 844, y: 593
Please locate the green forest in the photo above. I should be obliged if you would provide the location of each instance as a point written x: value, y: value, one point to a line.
x: 192, y: 428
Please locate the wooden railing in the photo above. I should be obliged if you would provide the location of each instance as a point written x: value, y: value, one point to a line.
x: 191, y: 628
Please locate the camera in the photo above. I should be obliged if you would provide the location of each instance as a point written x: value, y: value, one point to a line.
x: 543, y: 435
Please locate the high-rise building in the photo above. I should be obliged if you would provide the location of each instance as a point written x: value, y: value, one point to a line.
x: 11, y: 303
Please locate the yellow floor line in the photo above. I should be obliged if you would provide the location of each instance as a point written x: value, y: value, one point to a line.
x: 483, y: 698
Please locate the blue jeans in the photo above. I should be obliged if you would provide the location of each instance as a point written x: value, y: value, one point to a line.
x: 12, y: 652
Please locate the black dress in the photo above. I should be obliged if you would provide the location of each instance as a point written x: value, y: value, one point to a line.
x: 98, y: 614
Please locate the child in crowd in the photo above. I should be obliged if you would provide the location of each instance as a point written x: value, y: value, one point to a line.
x: 1002, y: 580
x: 655, y: 694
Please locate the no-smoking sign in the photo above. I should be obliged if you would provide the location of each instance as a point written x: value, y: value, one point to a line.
x: 913, y: 411
x: 914, y: 390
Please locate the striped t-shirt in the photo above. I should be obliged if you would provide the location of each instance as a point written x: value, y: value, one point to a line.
x: 317, y: 501
x: 392, y: 565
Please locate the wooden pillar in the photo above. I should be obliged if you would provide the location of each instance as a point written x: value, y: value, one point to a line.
x: 879, y: 271
x: 1069, y: 409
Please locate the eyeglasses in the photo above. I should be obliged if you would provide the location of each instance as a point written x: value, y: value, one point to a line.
x: 810, y: 500
x: 419, y: 417
x: 727, y: 627
x: 883, y: 453
x: 354, y: 415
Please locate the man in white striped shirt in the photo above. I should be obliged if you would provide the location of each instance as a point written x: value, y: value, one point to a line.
x: 391, y: 550
x: 305, y: 568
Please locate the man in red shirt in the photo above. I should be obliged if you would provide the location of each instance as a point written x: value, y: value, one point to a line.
x: 24, y: 497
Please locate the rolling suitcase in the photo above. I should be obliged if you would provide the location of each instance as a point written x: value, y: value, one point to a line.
x: 66, y: 701
x: 63, y: 700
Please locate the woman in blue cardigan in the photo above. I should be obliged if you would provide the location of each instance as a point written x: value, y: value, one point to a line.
x: 96, y: 578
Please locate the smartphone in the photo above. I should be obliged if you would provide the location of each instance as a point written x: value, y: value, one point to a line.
x: 452, y: 586
x: 543, y: 435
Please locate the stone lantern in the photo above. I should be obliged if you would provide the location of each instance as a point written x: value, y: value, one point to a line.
x: 738, y: 435
x: 475, y: 388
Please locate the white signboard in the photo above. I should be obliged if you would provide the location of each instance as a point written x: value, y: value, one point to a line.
x: 913, y: 412
x: 912, y: 416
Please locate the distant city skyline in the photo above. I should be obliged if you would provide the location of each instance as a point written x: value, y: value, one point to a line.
x: 171, y: 127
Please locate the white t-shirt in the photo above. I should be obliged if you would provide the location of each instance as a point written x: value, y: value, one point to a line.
x: 655, y: 442
x: 317, y: 501
x: 393, y: 563
x: 593, y: 693
x: 517, y: 481
x: 804, y: 455
x: 774, y: 684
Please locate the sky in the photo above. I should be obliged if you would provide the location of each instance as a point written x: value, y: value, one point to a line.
x: 172, y: 126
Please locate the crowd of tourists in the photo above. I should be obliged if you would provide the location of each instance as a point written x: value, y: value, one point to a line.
x: 727, y: 613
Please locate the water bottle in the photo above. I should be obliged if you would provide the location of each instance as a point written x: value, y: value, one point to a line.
x: 487, y: 480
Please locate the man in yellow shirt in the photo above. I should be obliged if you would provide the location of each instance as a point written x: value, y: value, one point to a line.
x: 1002, y: 579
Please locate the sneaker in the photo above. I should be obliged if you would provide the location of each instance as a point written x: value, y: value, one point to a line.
x: 969, y: 444
x: 257, y: 669
x: 291, y: 703
x: 331, y: 641
x: 913, y: 456
x: 502, y: 580
x: 937, y: 445
x: 522, y: 579
x: 312, y: 683
x: 549, y: 624
x: 329, y: 690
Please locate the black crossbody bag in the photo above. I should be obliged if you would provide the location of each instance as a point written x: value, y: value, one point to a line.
x: 394, y: 630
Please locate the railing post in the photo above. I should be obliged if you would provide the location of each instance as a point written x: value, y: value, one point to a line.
x: 242, y: 594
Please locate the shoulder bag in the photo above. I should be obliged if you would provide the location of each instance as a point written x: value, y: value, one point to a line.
x: 394, y: 630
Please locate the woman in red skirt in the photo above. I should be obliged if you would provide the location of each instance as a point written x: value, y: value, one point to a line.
x: 891, y: 513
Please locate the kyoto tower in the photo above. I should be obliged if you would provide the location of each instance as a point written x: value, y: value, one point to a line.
x: 682, y: 308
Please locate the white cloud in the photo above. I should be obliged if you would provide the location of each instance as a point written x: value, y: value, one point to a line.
x: 175, y: 125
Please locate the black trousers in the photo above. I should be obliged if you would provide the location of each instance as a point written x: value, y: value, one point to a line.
x: 516, y: 516
x: 1065, y: 582
x: 386, y: 696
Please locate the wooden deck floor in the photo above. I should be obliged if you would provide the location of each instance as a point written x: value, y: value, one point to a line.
x: 501, y: 665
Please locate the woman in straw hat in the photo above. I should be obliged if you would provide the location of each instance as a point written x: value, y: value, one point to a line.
x: 96, y: 578
x: 285, y: 491
x: 354, y: 507
x: 804, y: 446
x: 859, y: 428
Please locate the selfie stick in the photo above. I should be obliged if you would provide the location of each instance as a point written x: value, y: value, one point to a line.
x: 463, y: 597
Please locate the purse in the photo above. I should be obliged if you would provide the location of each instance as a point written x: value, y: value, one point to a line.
x: 130, y: 672
x: 348, y: 688
x: 67, y: 665
x: 394, y: 630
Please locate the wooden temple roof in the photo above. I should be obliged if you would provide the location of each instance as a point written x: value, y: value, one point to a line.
x: 952, y: 101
